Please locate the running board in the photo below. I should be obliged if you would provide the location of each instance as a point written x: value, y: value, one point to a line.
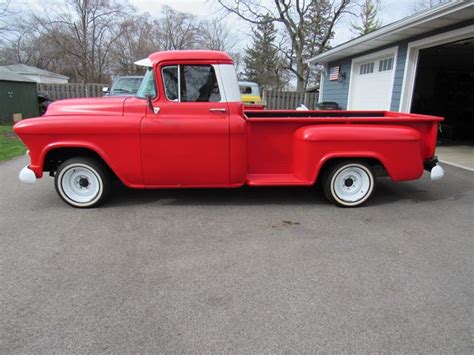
x: 276, y: 180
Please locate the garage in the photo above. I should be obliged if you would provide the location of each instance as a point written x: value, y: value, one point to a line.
x: 372, y: 82
x: 420, y: 64
x: 444, y: 85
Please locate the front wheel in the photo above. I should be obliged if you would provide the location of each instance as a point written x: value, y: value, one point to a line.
x: 82, y: 182
x: 349, y: 183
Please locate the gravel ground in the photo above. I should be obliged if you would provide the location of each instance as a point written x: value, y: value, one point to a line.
x: 248, y: 270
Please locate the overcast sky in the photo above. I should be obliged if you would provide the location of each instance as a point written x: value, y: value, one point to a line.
x: 391, y: 10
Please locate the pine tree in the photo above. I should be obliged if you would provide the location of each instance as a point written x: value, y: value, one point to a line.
x: 368, y: 16
x: 262, y: 62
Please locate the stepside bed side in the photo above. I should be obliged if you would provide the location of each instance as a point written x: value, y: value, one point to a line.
x: 397, y: 148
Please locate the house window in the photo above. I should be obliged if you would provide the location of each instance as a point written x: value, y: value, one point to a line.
x: 386, y: 64
x: 366, y: 68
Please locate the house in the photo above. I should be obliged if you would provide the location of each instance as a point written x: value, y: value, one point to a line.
x: 36, y: 74
x: 422, y: 64
x: 18, y: 97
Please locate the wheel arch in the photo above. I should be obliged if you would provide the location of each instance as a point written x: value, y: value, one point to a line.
x: 54, y: 154
x: 373, y: 160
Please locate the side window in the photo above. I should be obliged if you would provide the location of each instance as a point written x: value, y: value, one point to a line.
x: 170, y: 81
x: 191, y: 83
x: 147, y: 87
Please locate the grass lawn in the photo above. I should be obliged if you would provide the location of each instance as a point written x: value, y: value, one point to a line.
x: 10, y: 145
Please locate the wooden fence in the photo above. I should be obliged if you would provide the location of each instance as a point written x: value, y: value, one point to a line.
x: 275, y: 100
x: 69, y: 91
x: 289, y: 100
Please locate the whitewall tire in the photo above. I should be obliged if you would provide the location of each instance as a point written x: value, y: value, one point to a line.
x: 349, y: 183
x: 82, y: 182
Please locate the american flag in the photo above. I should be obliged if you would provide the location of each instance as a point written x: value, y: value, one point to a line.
x: 334, y: 73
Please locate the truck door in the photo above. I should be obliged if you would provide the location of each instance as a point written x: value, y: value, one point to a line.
x: 186, y: 143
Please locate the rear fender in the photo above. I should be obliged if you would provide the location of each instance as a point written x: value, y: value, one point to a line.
x: 397, y: 148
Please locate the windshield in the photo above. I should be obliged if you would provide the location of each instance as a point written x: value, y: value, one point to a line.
x: 147, y: 86
x: 127, y: 85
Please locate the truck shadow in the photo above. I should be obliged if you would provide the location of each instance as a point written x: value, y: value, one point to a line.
x: 387, y: 192
x: 122, y: 196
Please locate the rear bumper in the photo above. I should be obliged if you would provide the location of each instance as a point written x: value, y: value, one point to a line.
x: 436, y: 171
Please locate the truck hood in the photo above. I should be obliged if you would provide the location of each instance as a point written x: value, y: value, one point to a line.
x: 105, y: 106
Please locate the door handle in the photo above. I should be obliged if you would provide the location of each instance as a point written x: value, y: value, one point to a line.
x: 219, y: 109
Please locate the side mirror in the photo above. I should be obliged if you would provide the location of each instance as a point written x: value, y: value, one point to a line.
x: 105, y: 89
x: 153, y: 109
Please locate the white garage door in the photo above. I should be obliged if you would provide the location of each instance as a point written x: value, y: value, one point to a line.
x: 371, y: 84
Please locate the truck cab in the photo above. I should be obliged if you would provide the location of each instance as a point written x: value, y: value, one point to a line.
x: 186, y: 131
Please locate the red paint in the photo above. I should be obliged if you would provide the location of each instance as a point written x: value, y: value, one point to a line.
x: 186, y: 145
x: 194, y: 56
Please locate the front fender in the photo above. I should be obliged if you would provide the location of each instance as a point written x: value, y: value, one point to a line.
x: 37, y: 163
x: 115, y: 139
x: 397, y: 148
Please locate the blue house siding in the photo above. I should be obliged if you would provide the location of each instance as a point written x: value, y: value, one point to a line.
x: 333, y: 89
x: 398, y: 79
x: 339, y: 92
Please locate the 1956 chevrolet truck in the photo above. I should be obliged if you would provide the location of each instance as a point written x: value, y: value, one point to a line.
x: 186, y: 127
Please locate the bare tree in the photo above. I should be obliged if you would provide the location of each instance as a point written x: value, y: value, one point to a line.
x: 213, y: 34
x: 177, y: 30
x: 140, y: 37
x: 85, y: 30
x: 4, y: 14
x: 420, y: 5
x: 89, y: 40
x: 27, y: 46
x: 307, y: 26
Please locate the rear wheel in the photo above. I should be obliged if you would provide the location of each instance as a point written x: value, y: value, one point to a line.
x: 349, y: 183
x: 82, y: 182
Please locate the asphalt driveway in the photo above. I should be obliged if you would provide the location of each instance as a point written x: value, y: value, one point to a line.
x: 249, y: 270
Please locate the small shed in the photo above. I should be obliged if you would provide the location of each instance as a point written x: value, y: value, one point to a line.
x: 41, y: 76
x: 18, y: 96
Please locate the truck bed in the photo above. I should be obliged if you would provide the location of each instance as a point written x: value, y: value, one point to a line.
x: 279, y: 141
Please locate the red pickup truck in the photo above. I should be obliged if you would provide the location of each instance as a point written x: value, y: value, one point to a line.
x: 186, y: 127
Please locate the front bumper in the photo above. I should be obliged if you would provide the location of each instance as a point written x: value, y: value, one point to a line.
x: 27, y: 175
x: 436, y: 171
